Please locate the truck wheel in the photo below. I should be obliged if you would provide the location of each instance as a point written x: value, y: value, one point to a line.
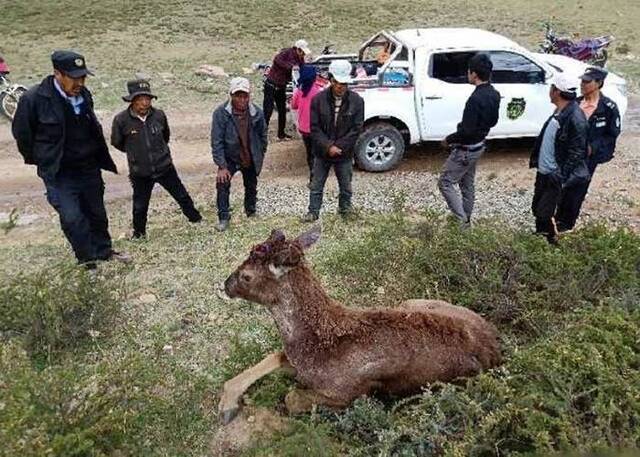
x: 380, y: 147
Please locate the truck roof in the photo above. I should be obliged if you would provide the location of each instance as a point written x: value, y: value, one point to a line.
x: 454, y: 38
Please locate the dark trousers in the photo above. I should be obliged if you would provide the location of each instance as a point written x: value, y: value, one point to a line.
x: 546, y: 195
x: 278, y: 95
x: 250, y: 181
x: 142, y: 188
x: 571, y: 201
x: 78, y: 198
x: 344, y: 173
x: 308, y: 145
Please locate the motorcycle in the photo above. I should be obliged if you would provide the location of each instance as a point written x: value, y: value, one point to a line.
x: 589, y: 50
x: 9, y: 93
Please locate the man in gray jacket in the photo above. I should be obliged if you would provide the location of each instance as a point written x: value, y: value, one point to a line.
x: 238, y: 143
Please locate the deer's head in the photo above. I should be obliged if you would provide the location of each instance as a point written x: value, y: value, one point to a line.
x: 259, y: 278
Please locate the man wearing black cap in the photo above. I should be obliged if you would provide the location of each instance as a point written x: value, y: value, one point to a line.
x: 142, y: 131
x: 467, y: 142
x: 604, y: 127
x: 56, y: 129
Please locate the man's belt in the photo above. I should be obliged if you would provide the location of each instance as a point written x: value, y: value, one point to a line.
x: 471, y: 147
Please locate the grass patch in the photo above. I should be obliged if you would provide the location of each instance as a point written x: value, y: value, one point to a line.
x: 57, y: 308
x: 169, y: 39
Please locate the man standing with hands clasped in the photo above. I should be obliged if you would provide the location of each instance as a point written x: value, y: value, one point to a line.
x: 337, y: 116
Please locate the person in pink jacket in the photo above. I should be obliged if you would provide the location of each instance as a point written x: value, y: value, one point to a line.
x: 308, y: 86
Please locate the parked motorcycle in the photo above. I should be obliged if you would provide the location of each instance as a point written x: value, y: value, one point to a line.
x: 589, y: 50
x: 9, y: 93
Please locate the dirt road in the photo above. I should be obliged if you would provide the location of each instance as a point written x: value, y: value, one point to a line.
x: 507, y: 161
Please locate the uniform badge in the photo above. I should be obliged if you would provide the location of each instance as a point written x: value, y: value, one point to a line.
x: 516, y: 108
x: 79, y: 62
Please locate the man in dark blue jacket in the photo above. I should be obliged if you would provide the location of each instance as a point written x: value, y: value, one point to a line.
x: 56, y: 129
x: 238, y: 143
x: 604, y: 128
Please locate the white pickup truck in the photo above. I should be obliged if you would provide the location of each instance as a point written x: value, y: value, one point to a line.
x: 417, y: 91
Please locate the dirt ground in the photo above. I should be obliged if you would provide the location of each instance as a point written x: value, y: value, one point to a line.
x: 21, y: 188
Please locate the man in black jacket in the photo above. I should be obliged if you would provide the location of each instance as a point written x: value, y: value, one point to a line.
x: 142, y: 131
x: 56, y: 129
x: 337, y: 116
x: 467, y: 143
x: 604, y: 127
x: 559, y: 155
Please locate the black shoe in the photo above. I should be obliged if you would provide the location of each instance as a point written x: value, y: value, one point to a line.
x: 310, y: 217
x: 222, y: 225
x: 563, y: 228
x: 119, y: 256
x: 195, y: 220
x: 251, y: 214
x: 138, y: 236
x: 284, y: 137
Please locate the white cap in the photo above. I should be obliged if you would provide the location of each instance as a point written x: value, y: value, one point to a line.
x: 238, y: 84
x: 565, y: 83
x: 341, y: 71
x: 303, y: 46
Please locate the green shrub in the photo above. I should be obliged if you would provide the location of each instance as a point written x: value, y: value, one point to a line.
x: 124, y: 405
x: 577, y: 390
x: 517, y: 280
x: 57, y: 308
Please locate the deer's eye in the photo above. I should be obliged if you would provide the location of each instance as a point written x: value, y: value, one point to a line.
x: 244, y: 277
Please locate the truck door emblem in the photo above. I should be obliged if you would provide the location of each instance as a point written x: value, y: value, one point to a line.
x: 515, y: 108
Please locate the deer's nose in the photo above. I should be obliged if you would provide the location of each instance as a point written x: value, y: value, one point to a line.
x: 230, y: 285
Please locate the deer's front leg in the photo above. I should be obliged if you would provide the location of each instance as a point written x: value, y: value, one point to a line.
x: 233, y: 389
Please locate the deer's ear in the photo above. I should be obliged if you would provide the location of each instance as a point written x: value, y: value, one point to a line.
x: 309, y: 238
x: 276, y: 235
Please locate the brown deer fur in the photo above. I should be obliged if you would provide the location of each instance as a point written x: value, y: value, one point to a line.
x: 342, y: 353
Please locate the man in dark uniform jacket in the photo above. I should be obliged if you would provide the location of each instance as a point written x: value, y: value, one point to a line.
x: 56, y: 129
x: 467, y: 142
x: 142, y: 131
x: 604, y: 128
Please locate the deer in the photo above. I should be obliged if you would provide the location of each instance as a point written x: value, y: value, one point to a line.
x: 338, y: 353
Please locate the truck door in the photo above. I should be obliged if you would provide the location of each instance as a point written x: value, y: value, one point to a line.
x: 524, y: 104
x: 442, y: 92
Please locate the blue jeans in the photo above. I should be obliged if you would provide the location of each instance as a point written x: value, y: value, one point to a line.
x: 344, y: 173
x: 78, y: 198
x: 223, y: 191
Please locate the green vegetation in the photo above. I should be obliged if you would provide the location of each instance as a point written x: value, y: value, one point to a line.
x: 89, y: 367
x: 129, y: 362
